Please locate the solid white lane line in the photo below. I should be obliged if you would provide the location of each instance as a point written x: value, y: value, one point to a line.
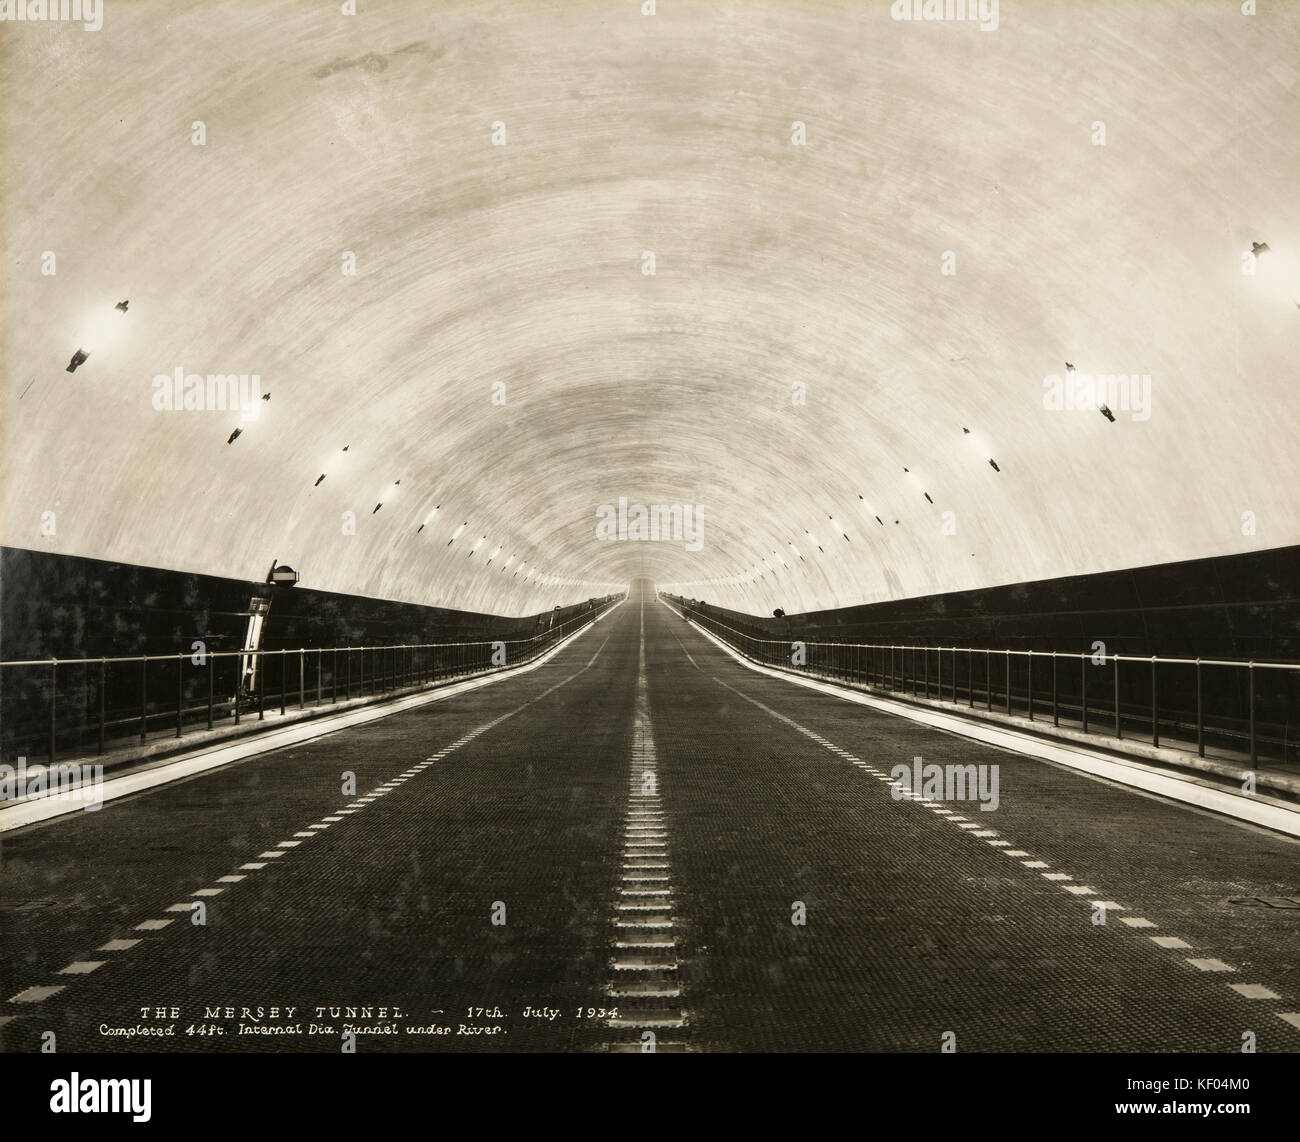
x: 1135, y: 775
x: 312, y: 831
x: 214, y: 757
x: 1255, y: 991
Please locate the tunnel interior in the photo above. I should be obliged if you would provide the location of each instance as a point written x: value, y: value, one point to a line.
x: 479, y: 307
x: 637, y: 526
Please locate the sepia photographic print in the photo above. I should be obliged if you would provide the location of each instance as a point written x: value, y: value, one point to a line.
x: 599, y: 527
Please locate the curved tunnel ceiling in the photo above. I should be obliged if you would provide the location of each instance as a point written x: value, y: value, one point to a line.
x: 798, y: 365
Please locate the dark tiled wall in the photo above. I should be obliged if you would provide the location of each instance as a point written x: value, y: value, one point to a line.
x: 1239, y: 606
x: 69, y: 607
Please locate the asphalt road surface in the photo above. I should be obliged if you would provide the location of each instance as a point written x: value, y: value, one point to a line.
x: 644, y: 843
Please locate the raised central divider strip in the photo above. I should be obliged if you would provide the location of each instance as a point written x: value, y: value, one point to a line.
x: 644, y: 982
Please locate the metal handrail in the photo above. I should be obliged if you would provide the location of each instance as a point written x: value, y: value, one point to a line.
x: 898, y: 675
x: 1071, y: 654
x: 287, y: 650
x: 399, y: 670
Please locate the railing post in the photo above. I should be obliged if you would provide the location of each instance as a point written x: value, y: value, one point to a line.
x: 261, y: 686
x: 1083, y: 690
x: 1029, y: 686
x: 54, y: 691
x: 988, y: 679
x: 212, y: 684
x: 320, y: 665
x: 1200, y: 720
x: 144, y: 699
x: 1056, y: 717
x: 284, y: 669
x: 302, y: 677
x: 180, y: 690
x: 239, y: 681
x: 347, y: 660
x: 1250, y: 681
x: 1119, y: 730
x: 103, y: 685
x: 1008, y: 682
x: 1155, y: 716
x: 970, y: 677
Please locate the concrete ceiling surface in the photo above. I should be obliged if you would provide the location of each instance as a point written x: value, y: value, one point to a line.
x: 798, y: 365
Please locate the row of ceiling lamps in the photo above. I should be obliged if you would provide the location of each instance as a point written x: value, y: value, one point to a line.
x: 754, y: 573
x: 530, y: 575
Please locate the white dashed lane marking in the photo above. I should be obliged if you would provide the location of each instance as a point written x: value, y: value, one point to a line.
x: 35, y: 994
x: 1060, y: 879
x: 1254, y: 991
x: 84, y: 967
